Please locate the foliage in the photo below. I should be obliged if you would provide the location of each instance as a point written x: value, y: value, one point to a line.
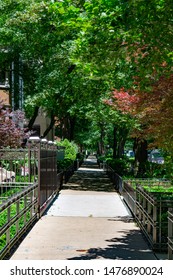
x: 45, y: 62
x: 11, y: 192
x: 11, y: 132
x: 126, y: 167
x: 122, y: 100
x: 101, y: 158
x: 121, y: 166
x: 76, y: 52
x: 71, y: 149
x: 155, y: 112
x: 154, y: 170
x: 64, y: 164
x: 152, y: 113
x: 22, y: 222
x: 80, y: 156
x: 137, y: 38
x: 71, y: 153
x: 168, y: 167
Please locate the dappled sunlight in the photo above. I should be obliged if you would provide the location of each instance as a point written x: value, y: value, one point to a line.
x: 90, y: 169
x: 90, y: 178
x: 127, y: 246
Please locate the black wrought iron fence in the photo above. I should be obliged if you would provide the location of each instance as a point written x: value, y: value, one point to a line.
x: 170, y: 234
x: 152, y: 216
x: 44, y: 155
x: 28, y: 183
x: 68, y: 173
x: 17, y: 214
x: 149, y: 201
x: 114, y: 177
x: 129, y: 195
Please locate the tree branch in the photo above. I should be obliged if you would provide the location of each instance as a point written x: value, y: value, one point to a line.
x: 32, y: 120
x: 52, y: 122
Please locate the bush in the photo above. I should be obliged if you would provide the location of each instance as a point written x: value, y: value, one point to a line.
x: 168, y: 166
x: 64, y: 164
x: 80, y: 156
x: 71, y: 152
x: 71, y: 149
x: 101, y: 158
x: 154, y: 170
x: 120, y: 165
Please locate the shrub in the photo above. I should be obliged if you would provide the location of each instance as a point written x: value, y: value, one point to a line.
x: 154, y: 170
x: 64, y: 164
x: 71, y: 149
x: 71, y: 152
x: 120, y: 165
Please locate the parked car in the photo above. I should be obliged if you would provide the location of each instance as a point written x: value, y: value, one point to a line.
x: 130, y: 153
x: 156, y: 157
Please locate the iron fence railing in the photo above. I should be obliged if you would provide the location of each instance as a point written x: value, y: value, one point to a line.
x: 10, y: 188
x: 48, y: 195
x: 43, y: 160
x: 17, y: 212
x: 68, y: 173
x: 149, y: 201
x: 114, y: 177
x: 152, y: 216
x: 123, y: 187
x: 18, y: 195
x: 28, y: 184
x: 170, y: 234
x: 129, y: 195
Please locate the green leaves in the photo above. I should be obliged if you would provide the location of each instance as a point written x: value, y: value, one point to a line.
x: 113, y: 44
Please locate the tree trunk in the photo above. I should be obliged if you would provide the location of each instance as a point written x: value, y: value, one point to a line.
x: 141, y: 156
x: 121, y: 143
x: 51, y: 125
x: 32, y: 120
x: 65, y: 128
x: 115, y: 143
x: 102, y: 140
x: 72, y: 121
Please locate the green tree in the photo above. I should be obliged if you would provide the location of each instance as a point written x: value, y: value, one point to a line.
x: 74, y: 53
x: 40, y: 34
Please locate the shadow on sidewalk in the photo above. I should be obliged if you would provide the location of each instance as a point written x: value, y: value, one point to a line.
x: 131, y: 246
x: 90, y: 181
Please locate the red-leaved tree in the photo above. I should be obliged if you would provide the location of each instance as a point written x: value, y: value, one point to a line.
x: 11, y: 130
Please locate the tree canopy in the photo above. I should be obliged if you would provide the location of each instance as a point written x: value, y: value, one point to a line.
x: 74, y: 54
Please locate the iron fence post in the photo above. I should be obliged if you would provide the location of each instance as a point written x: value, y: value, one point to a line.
x: 34, y: 145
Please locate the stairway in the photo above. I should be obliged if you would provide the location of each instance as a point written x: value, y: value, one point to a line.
x: 90, y: 178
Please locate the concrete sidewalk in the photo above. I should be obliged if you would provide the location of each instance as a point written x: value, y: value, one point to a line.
x: 88, y: 220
